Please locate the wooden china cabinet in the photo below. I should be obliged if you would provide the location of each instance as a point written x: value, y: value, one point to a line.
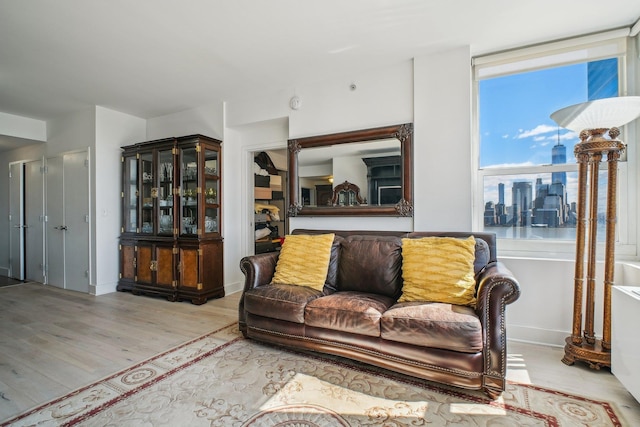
x: 171, y: 243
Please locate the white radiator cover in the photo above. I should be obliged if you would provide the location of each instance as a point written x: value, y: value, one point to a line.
x: 625, y: 339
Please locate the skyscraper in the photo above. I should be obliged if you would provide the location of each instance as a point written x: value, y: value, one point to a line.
x: 602, y: 79
x: 521, y: 195
x: 559, y: 156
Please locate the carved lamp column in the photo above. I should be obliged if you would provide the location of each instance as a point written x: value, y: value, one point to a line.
x: 593, y: 119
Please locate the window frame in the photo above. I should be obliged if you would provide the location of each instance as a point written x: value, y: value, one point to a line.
x: 566, y: 52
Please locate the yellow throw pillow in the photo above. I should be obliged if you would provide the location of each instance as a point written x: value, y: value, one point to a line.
x: 304, y: 260
x: 438, y: 269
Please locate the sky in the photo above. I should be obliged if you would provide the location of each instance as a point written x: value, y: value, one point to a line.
x: 515, y: 127
x: 515, y: 124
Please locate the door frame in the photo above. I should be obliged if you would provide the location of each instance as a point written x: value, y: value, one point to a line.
x: 34, y: 221
x: 22, y: 207
x: 247, y: 211
x: 16, y: 256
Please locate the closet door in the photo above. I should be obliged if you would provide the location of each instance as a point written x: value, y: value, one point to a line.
x: 68, y: 249
x: 55, y: 219
x: 76, y: 200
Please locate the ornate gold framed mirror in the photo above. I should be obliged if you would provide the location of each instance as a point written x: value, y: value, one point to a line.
x: 377, y: 161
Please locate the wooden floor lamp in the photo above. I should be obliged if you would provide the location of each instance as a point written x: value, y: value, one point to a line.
x: 593, y: 120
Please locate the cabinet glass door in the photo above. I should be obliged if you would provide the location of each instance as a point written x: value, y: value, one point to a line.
x: 211, y: 191
x: 130, y: 196
x: 189, y: 191
x: 165, y: 191
x: 147, y: 192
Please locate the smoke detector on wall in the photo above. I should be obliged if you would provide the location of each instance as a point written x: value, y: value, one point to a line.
x: 295, y: 103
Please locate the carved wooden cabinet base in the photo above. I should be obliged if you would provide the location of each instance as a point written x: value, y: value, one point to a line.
x: 171, y: 245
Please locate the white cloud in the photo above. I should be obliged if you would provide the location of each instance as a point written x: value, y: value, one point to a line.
x: 538, y: 130
x: 505, y: 136
x: 570, y: 136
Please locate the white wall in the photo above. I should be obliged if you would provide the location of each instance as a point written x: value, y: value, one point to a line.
x: 241, y: 142
x: 72, y: 132
x: 543, y: 313
x: 206, y: 120
x: 382, y: 97
x: 113, y: 130
x: 23, y: 127
x: 442, y: 152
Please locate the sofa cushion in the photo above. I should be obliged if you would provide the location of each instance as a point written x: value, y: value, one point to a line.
x: 280, y: 301
x: 354, y: 312
x: 438, y: 269
x: 483, y: 247
x: 371, y: 264
x: 331, y: 285
x: 432, y: 324
x: 304, y: 260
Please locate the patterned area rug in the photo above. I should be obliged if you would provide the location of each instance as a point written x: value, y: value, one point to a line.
x: 221, y: 379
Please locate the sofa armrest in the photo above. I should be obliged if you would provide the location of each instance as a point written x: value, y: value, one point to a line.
x: 258, y: 271
x: 497, y: 287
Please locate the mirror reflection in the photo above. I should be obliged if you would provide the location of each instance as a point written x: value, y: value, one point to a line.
x: 373, y: 167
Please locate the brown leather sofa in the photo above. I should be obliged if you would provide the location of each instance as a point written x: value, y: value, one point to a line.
x: 357, y: 315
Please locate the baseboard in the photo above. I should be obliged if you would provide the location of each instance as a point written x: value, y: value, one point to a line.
x: 232, y: 288
x: 107, y: 288
x: 103, y: 288
x: 536, y: 335
x: 4, y: 271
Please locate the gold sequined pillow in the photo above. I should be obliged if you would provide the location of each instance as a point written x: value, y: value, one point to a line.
x: 438, y: 269
x: 304, y: 260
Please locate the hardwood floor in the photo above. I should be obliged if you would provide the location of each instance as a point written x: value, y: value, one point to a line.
x: 54, y: 341
x: 7, y: 281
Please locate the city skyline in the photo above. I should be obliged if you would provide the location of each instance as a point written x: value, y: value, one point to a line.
x: 545, y: 204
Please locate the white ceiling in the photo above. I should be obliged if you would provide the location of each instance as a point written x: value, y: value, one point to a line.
x: 154, y: 57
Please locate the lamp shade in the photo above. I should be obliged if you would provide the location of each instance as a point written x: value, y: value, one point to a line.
x: 601, y: 113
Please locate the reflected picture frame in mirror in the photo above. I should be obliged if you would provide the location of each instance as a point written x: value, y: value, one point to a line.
x: 403, y: 133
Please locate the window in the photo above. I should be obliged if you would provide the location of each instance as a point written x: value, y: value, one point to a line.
x: 527, y: 175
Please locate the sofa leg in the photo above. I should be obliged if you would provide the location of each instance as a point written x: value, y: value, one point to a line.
x: 493, y: 386
x: 242, y: 326
x: 493, y: 393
